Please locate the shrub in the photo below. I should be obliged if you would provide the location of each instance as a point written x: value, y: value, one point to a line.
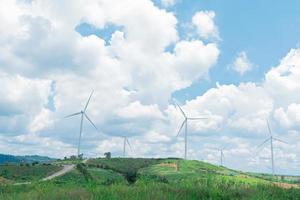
x: 82, y: 169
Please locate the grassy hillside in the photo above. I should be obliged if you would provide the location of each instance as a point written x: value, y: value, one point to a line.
x: 18, y: 173
x: 127, y: 166
x: 154, y: 179
x: 92, y: 176
x: 194, y: 172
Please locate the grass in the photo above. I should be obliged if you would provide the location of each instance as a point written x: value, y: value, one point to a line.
x: 197, y: 171
x: 126, y: 166
x: 99, y: 177
x: 17, y: 173
x: 277, y: 178
x: 145, y: 192
x: 106, y: 179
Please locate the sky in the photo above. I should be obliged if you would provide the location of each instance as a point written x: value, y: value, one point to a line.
x: 235, y: 62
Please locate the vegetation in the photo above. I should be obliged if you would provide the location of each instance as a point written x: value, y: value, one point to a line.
x: 280, y: 178
x: 154, y: 179
x: 27, y: 172
x: 127, y: 166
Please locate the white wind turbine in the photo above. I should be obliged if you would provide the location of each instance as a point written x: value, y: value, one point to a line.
x: 271, y: 139
x: 126, y: 141
x: 221, y: 155
x: 83, y: 114
x: 184, y: 123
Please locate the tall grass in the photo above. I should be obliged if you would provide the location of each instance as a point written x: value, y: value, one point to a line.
x: 147, y: 191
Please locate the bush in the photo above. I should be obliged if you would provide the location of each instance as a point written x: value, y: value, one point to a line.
x: 34, y: 163
x: 82, y: 169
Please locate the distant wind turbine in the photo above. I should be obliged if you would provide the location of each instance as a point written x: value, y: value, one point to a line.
x: 271, y: 138
x: 184, y: 123
x: 126, y: 141
x: 83, y: 115
x: 221, y: 155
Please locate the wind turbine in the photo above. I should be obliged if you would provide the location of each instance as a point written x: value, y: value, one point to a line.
x: 221, y: 154
x: 83, y: 115
x: 271, y: 139
x: 126, y: 141
x: 184, y: 123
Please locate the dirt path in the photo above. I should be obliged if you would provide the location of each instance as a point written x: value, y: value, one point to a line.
x: 286, y: 185
x: 64, y: 170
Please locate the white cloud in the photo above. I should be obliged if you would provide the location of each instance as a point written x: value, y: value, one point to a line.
x: 289, y: 117
x: 233, y: 108
x: 137, y: 110
x: 22, y: 96
x: 283, y: 81
x: 41, y: 121
x: 204, y: 22
x: 242, y: 63
x: 155, y: 137
x: 168, y: 3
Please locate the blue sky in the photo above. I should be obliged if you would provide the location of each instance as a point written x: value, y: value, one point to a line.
x: 266, y: 30
x: 236, y: 61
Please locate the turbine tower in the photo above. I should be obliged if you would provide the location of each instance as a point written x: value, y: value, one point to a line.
x: 271, y: 139
x: 126, y: 141
x: 83, y: 115
x: 184, y: 123
x: 221, y: 150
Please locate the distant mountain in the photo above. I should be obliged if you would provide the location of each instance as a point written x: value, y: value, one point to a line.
x: 4, y: 158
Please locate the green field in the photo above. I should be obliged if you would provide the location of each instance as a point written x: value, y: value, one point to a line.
x: 128, y: 178
x: 23, y: 173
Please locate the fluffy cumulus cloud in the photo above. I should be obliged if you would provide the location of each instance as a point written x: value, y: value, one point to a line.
x: 242, y: 64
x: 48, y: 70
x: 205, y: 25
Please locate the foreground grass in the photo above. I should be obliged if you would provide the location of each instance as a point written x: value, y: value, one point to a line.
x: 144, y: 191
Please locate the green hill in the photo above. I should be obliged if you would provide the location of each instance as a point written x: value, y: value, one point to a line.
x: 139, y: 178
x: 23, y: 173
x: 5, y: 159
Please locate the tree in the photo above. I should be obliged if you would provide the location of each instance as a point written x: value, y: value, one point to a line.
x: 73, y: 157
x: 80, y: 156
x: 107, y: 155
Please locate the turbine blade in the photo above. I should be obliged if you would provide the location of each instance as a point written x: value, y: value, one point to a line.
x: 181, y: 127
x: 196, y: 118
x: 128, y: 144
x: 280, y: 140
x: 263, y: 142
x: 270, y: 132
x: 78, y: 113
x: 90, y: 121
x: 180, y: 109
x: 88, y: 101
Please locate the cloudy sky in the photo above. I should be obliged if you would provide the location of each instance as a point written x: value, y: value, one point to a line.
x: 236, y: 62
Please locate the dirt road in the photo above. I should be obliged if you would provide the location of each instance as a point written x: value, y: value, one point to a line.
x: 64, y: 170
